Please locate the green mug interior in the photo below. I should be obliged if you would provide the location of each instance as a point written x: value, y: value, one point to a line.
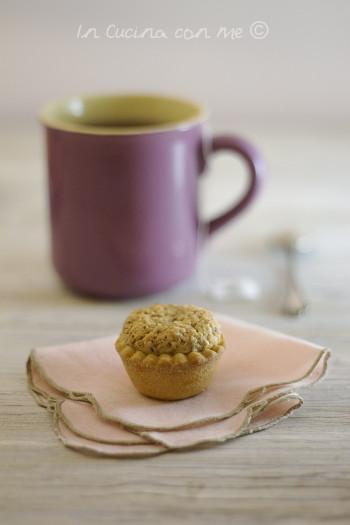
x: 120, y: 114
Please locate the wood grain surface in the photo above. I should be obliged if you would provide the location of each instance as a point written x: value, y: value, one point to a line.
x: 295, y: 473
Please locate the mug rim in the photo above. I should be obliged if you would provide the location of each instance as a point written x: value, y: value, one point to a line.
x: 197, y: 113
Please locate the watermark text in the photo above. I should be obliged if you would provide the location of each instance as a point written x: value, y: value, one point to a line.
x: 257, y: 30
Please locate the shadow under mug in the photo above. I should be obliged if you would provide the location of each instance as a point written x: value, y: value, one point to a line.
x: 123, y: 173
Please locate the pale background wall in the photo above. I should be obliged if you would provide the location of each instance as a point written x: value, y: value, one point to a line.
x: 299, y: 74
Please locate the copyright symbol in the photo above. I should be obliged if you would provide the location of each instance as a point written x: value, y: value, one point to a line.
x: 259, y: 30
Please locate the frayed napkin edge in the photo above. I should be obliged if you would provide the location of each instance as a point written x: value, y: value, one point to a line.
x: 52, y: 405
x: 253, y: 411
x: 324, y: 354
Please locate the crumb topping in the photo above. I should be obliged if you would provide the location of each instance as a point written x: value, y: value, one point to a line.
x: 172, y: 332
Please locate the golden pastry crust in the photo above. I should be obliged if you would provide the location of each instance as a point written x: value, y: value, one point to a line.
x: 170, y: 351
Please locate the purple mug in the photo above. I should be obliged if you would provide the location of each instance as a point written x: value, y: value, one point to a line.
x: 123, y: 172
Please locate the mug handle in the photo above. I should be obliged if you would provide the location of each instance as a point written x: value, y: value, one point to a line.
x: 256, y: 171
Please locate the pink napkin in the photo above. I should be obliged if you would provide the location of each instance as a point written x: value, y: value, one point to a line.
x: 97, y: 409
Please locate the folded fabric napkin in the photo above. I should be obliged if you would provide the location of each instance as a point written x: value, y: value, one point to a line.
x: 97, y: 409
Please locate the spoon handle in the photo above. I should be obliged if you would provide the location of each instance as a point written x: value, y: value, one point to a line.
x: 293, y: 304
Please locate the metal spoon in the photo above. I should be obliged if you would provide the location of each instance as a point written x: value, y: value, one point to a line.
x: 291, y: 246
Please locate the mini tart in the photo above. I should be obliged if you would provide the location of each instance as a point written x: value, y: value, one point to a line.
x: 170, y: 351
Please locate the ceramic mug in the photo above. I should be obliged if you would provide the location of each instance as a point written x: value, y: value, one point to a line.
x: 123, y: 173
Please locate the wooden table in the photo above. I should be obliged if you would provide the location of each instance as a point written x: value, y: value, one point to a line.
x: 297, y: 472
